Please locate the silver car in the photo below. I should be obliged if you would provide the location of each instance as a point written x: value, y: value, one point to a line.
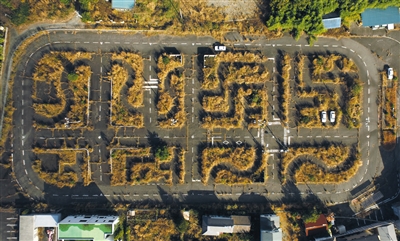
x: 323, y: 116
x: 332, y: 116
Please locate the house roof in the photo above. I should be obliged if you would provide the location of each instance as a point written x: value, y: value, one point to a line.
x: 95, y: 232
x: 271, y: 235
x: 317, y: 226
x: 28, y: 224
x: 332, y: 23
x: 215, y: 225
x: 387, y: 233
x: 269, y: 222
x: 122, y: 4
x: 376, y: 16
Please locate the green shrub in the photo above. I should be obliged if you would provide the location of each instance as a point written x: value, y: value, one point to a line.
x: 20, y: 15
x: 72, y: 76
x: 162, y: 153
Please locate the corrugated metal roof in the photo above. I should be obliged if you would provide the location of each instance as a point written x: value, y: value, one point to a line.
x: 332, y: 23
x: 376, y: 16
x: 122, y: 4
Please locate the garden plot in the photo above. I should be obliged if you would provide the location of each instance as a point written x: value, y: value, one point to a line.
x: 320, y: 164
x: 241, y: 165
x: 61, y: 168
x: 171, y: 93
x: 127, y: 89
x: 389, y: 109
x: 130, y: 166
x: 60, y: 89
x: 327, y: 83
x: 233, y: 90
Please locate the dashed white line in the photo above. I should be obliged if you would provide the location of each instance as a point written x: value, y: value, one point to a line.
x: 86, y: 42
x: 326, y: 45
x: 352, y: 50
x: 117, y: 42
x: 126, y: 42
x: 344, y: 47
x: 365, y: 64
x: 150, y: 109
x: 369, y: 91
x: 335, y: 46
x: 26, y: 172
x: 316, y: 45
x: 288, y: 45
x: 318, y: 136
x: 23, y: 161
x: 307, y: 45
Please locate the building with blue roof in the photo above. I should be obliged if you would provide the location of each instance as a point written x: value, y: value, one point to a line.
x: 122, y: 4
x: 376, y: 16
x: 332, y: 20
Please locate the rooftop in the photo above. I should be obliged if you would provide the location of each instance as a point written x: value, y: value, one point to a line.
x: 84, y: 231
x: 215, y: 225
x: 122, y: 4
x: 313, y: 228
x: 332, y: 20
x: 376, y: 16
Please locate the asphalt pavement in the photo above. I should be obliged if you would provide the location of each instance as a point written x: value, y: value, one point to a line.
x: 191, y: 135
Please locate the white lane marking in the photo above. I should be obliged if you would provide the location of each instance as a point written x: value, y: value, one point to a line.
x: 369, y: 82
x: 325, y: 45
x: 150, y: 119
x: 166, y: 137
x: 100, y: 108
x: 369, y: 91
x: 23, y: 153
x: 23, y: 161
x: 288, y: 45
x: 86, y: 42
x: 26, y: 172
x: 184, y: 43
x: 316, y: 45
x: 344, y: 47
x: 367, y: 162
x: 22, y: 111
x: 150, y: 67
x: 368, y: 143
x: 367, y: 73
x: 116, y: 42
x: 335, y: 46
x: 318, y: 136
x: 95, y: 42
x: 369, y: 100
x: 352, y: 50
x: 126, y: 42
x: 307, y: 45
x: 368, y: 109
x: 268, y: 45
x: 365, y: 64
x: 327, y: 136
x: 22, y: 121
x: 150, y: 100
x: 150, y: 109
x: 106, y: 42
x: 279, y: 45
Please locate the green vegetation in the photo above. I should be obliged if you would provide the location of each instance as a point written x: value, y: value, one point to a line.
x: 20, y: 14
x: 300, y: 16
x: 72, y: 76
x: 311, y: 217
x: 162, y: 153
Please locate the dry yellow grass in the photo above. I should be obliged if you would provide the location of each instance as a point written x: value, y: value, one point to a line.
x: 331, y: 156
x: 286, y: 97
x: 211, y: 81
x: 79, y: 87
x: 229, y: 122
x: 311, y: 116
x: 288, y: 223
x: 238, y: 158
x: 165, y: 66
x: 66, y: 158
x: 354, y: 105
x: 135, y: 92
x: 349, y: 65
x: 165, y: 103
x: 49, y: 70
x: 324, y: 64
x: 120, y: 115
x: 140, y: 172
x: 300, y: 69
x: 312, y: 173
x: 177, y: 85
x: 73, y: 56
x: 245, y: 75
x: 216, y: 103
x: 181, y: 166
x: 160, y: 229
x: 118, y: 165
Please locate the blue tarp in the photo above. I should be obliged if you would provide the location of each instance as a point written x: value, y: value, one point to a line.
x: 376, y: 16
x: 122, y: 4
x: 332, y: 23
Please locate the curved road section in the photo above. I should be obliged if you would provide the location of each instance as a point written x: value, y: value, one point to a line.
x: 110, y: 41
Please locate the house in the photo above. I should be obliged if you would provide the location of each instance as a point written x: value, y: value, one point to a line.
x: 375, y: 17
x: 216, y: 225
x: 91, y: 227
x: 385, y: 232
x: 122, y: 4
x: 332, y: 20
x: 317, y: 227
x: 29, y: 225
x: 270, y: 228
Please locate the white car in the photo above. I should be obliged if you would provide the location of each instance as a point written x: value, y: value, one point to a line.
x: 332, y: 116
x: 323, y: 116
x: 390, y: 73
x: 220, y: 48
